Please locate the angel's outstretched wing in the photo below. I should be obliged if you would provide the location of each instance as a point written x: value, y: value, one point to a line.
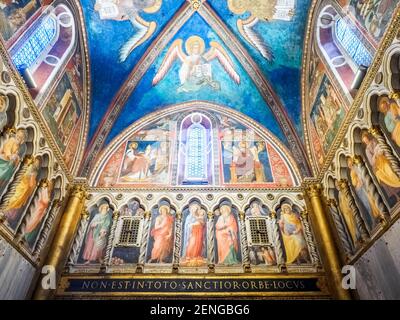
x: 246, y: 30
x: 144, y: 31
x: 174, y: 52
x: 217, y: 51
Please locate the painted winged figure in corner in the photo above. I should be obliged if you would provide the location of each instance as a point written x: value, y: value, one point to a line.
x: 121, y: 10
x: 260, y: 11
x: 196, y: 72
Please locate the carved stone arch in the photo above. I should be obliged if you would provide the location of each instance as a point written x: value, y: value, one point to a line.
x: 330, y: 185
x: 10, y: 105
x: 58, y: 187
x: 285, y: 199
x: 197, y: 199
x: 288, y: 198
x: 102, y: 196
x: 391, y: 68
x: 260, y: 201
x: 140, y: 205
x: 222, y: 199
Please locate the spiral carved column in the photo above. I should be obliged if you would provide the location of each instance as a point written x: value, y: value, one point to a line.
x: 280, y: 259
x: 310, y: 239
x: 178, y: 241
x: 210, y: 242
x: 244, y: 243
x: 110, y: 243
x: 344, y: 237
x: 143, y: 243
x: 331, y: 256
x: 73, y: 257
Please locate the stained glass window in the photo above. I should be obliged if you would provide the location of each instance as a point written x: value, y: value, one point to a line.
x: 196, y: 153
x: 37, y: 42
x: 350, y: 41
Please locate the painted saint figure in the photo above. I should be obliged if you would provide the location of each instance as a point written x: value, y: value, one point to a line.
x: 97, y: 234
x: 292, y: 235
x: 227, y: 236
x: 372, y: 213
x: 347, y: 213
x: 162, y: 234
x: 381, y: 165
x: 196, y: 70
x: 195, y: 235
x: 391, y: 112
x: 11, y: 153
x: 137, y: 164
x: 19, y: 197
x: 38, y: 212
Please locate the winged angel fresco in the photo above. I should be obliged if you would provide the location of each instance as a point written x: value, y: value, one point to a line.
x: 196, y: 72
x: 121, y: 10
x: 260, y: 11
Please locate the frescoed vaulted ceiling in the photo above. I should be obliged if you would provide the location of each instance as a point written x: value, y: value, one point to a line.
x: 140, y: 50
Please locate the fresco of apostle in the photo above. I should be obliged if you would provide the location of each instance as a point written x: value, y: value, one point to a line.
x: 194, y: 241
x: 292, y: 235
x: 226, y: 230
x: 97, y: 234
x: 162, y: 235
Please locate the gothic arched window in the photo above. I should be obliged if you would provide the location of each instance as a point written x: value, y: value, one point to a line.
x: 37, y: 44
x: 342, y: 46
x: 349, y: 39
x: 196, y: 157
x: 42, y: 52
x: 195, y: 150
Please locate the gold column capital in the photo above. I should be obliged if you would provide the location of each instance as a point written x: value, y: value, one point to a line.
x: 375, y: 131
x: 242, y: 215
x: 115, y: 215
x: 314, y: 190
x: 79, y: 191
x: 147, y: 215
x: 273, y: 215
x: 178, y: 215
x: 394, y: 95
x: 331, y: 203
x: 210, y: 215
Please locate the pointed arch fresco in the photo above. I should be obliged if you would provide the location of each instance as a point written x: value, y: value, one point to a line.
x: 149, y: 152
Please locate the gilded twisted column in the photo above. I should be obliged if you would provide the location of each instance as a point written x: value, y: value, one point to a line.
x: 310, y: 239
x: 244, y: 243
x: 178, y: 240
x: 210, y: 241
x: 331, y: 257
x: 344, y: 237
x: 63, y: 239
